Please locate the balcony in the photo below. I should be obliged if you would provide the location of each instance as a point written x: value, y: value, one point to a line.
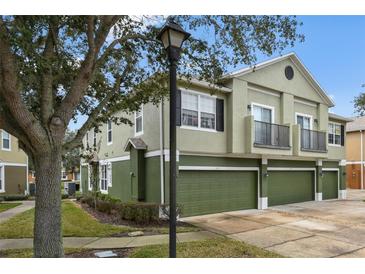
x: 313, y: 141
x: 267, y: 138
x: 269, y: 135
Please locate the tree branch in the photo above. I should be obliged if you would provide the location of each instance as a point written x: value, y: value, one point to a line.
x: 87, y: 69
x: 12, y: 97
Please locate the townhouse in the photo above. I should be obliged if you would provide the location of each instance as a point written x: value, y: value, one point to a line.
x: 264, y: 138
x: 13, y: 166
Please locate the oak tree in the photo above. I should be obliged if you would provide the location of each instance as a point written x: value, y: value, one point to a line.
x: 55, y: 68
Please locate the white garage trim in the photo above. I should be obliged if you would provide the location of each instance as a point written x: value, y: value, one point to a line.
x: 260, y: 201
x: 340, y: 194
x: 317, y: 196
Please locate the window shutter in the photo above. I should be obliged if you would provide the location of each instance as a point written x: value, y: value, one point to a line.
x: 109, y: 171
x: 220, y: 114
x: 178, y: 107
x: 342, y: 135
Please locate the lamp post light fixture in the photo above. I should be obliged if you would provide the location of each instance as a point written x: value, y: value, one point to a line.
x: 172, y: 36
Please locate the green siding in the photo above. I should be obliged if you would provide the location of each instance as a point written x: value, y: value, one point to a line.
x: 330, y: 185
x: 121, y: 185
x: 187, y: 160
x: 330, y: 164
x: 204, y: 192
x: 152, y: 177
x: 84, y: 179
x: 285, y: 187
x: 291, y: 163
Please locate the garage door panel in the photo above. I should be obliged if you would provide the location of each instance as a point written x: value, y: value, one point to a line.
x: 204, y: 192
x: 329, y: 185
x: 286, y: 187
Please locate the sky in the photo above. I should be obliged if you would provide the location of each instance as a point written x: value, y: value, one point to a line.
x: 334, y: 53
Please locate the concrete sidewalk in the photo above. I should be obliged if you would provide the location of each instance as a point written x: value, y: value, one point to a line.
x: 111, y: 242
x: 6, y: 215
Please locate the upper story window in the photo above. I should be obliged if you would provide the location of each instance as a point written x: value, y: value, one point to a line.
x: 109, y: 132
x: 138, y: 121
x: 94, y: 137
x: 198, y: 110
x: 6, y: 140
x: 334, y: 134
x: 304, y: 120
x: 263, y: 113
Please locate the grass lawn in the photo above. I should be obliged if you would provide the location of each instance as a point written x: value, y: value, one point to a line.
x: 28, y: 252
x: 75, y: 222
x: 213, y: 248
x: 6, y: 206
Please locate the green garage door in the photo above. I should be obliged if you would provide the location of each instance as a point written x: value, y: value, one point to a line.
x: 286, y: 187
x: 329, y: 185
x: 205, y: 192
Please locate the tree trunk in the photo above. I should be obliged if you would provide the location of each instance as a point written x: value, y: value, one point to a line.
x: 48, y: 221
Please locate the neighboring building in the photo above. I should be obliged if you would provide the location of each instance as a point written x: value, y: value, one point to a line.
x: 13, y: 166
x: 265, y: 138
x: 355, y: 155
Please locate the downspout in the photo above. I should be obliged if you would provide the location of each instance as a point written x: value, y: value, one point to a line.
x: 162, y: 177
x: 361, y: 160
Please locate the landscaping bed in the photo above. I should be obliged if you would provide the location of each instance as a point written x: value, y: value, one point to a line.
x: 152, y: 228
x: 6, y: 206
x: 212, y: 248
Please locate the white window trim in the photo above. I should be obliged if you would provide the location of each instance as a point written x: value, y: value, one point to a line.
x: 101, y: 164
x: 199, y: 128
x: 89, y: 178
x: 2, y: 141
x: 305, y: 115
x: 2, y: 177
x: 264, y: 106
x: 334, y: 145
x: 135, y: 122
x: 107, y: 132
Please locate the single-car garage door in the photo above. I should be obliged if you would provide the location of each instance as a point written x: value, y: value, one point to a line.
x: 286, y: 187
x: 205, y: 192
x: 330, y: 185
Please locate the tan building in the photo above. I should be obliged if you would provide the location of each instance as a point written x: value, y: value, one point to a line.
x: 13, y: 166
x: 355, y: 155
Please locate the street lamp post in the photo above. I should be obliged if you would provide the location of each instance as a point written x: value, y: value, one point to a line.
x: 172, y: 37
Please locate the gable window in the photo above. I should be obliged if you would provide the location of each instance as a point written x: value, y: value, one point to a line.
x: 334, y: 134
x: 198, y: 111
x: 2, y: 183
x: 5, y: 140
x: 109, y: 132
x: 138, y: 121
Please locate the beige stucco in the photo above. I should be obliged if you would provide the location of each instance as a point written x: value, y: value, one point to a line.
x: 266, y: 86
x: 15, y: 155
x: 353, y: 146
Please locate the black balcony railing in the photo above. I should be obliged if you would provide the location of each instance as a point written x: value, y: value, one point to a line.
x: 271, y: 135
x: 313, y: 140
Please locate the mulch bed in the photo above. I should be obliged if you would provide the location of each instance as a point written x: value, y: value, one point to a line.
x: 121, y: 253
x: 114, y: 219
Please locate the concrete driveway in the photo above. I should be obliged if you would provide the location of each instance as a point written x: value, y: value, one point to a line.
x: 333, y: 228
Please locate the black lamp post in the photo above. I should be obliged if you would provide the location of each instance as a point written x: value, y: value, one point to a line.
x: 172, y: 37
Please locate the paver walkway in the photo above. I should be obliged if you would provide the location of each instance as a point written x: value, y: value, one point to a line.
x: 111, y: 242
x: 7, y: 214
x: 332, y: 228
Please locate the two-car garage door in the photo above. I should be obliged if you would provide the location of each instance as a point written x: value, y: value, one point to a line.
x: 203, y: 192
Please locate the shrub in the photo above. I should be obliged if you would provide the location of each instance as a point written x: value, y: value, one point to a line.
x: 141, y: 213
x: 14, y: 197
x: 64, y: 196
x: 78, y: 195
x: 104, y: 206
x: 89, y: 200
